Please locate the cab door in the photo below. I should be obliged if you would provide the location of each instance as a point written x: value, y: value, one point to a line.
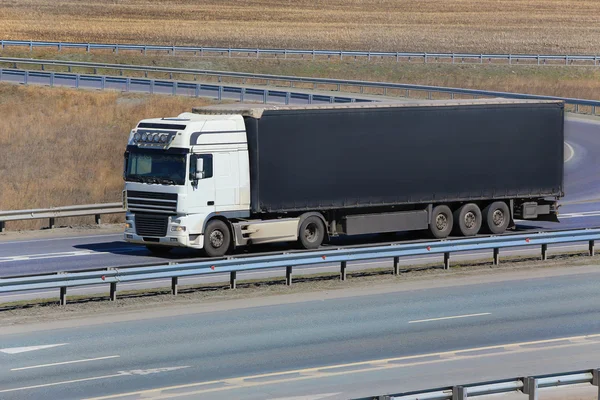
x: 202, y: 181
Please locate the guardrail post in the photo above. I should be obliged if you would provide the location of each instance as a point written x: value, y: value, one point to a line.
x: 446, y: 261
x: 51, y: 79
x: 127, y: 84
x: 544, y: 252
x: 77, y: 81
x: 97, y: 219
x: 174, y: 88
x: 103, y: 82
x: 459, y: 393
x: 288, y: 276
x: 26, y: 77
x: 113, y: 291
x: 496, y: 256
x: 51, y: 223
x: 530, y: 387
x: 596, y: 380
x: 343, y: 271
x: 63, y: 296
x: 591, y: 248
x: 174, y: 283
x: 396, y: 266
x: 197, y: 90
x: 2, y: 226
x: 265, y: 96
x: 232, y: 279
x: 287, y: 97
x: 220, y: 93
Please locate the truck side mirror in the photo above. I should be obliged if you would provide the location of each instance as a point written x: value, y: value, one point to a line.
x: 199, y: 173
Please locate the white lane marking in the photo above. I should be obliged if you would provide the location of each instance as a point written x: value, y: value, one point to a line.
x: 65, y: 362
x: 77, y: 253
x: 16, y: 350
x: 584, y: 214
x: 452, y: 317
x: 120, y: 235
x: 572, y: 152
x: 119, y: 374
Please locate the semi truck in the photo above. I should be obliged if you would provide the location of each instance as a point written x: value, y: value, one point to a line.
x: 231, y: 175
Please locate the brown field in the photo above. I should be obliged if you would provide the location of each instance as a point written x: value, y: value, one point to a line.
x: 529, y: 26
x: 62, y: 147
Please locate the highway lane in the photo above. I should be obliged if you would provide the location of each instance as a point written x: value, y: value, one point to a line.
x: 401, y: 331
x: 581, y: 209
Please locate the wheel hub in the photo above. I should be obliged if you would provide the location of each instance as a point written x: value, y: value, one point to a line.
x: 441, y: 222
x: 498, y: 217
x: 470, y: 219
x: 310, y: 232
x: 216, y: 239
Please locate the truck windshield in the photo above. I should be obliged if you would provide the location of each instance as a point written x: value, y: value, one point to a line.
x: 153, y: 167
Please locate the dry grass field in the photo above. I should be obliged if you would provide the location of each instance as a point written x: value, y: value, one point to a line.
x: 529, y: 26
x: 62, y: 147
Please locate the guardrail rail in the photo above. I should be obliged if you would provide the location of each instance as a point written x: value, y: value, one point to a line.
x: 341, y: 256
x: 59, y: 212
x: 243, y: 93
x: 530, y: 386
x: 300, y: 54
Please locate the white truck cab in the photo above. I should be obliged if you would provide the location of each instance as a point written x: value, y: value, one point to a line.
x: 179, y: 173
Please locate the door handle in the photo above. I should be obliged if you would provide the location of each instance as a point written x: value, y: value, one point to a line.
x: 211, y: 203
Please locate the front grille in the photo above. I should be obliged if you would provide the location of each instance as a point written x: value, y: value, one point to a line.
x: 151, y: 224
x: 152, y: 202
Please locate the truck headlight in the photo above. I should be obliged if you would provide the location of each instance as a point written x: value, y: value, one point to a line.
x: 178, y: 228
x: 128, y: 225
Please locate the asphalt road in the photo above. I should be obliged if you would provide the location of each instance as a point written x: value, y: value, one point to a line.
x: 411, y: 336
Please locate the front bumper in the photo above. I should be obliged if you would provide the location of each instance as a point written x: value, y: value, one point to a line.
x: 171, y: 239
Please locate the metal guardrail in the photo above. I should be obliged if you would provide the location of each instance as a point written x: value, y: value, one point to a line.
x: 527, y: 385
x: 394, y: 251
x: 59, y: 212
x: 511, y: 59
x: 242, y: 93
x: 173, y: 87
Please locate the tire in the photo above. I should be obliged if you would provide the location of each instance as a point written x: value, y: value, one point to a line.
x: 467, y: 220
x: 311, y: 233
x: 159, y: 250
x: 217, y: 238
x: 496, y: 218
x: 442, y: 222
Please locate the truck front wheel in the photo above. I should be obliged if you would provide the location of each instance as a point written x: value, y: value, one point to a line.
x: 442, y: 222
x: 217, y: 238
x: 312, y: 232
x: 496, y: 217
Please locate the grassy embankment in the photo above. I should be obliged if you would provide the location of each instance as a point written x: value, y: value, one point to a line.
x: 62, y: 147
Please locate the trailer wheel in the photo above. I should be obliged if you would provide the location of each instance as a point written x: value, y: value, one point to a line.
x: 312, y: 232
x: 442, y: 222
x: 496, y: 217
x: 159, y: 250
x: 468, y: 220
x: 217, y: 238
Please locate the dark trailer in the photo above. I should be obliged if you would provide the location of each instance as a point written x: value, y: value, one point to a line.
x: 376, y: 167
